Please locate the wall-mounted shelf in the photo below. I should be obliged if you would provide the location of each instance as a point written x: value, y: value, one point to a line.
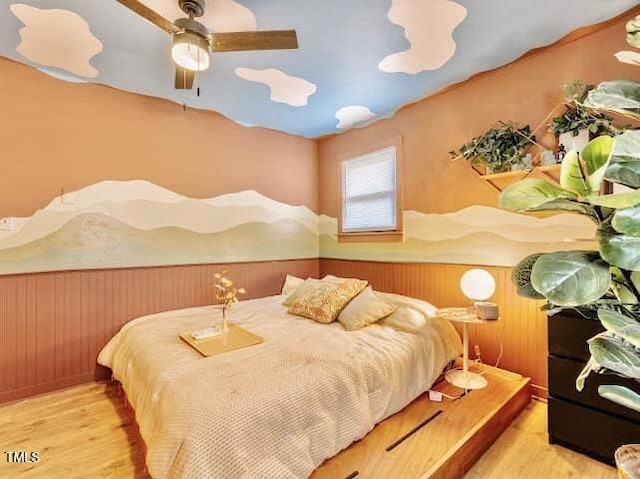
x: 499, y: 181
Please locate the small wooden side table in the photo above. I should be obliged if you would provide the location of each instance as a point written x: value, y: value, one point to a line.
x: 464, y: 379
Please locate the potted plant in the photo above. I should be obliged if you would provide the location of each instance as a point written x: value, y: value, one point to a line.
x: 577, y: 125
x: 499, y: 149
x: 603, y: 283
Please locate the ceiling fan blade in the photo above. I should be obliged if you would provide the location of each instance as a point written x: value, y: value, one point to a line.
x: 244, y: 41
x: 184, y: 78
x: 154, y: 17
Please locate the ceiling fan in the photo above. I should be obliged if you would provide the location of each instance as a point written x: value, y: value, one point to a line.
x: 192, y: 42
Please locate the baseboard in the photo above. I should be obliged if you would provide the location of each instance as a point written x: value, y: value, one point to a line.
x: 22, y: 393
x: 539, y: 393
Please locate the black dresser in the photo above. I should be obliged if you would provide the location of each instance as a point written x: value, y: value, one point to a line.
x: 583, y: 421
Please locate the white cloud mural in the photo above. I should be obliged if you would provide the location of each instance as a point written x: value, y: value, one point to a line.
x: 220, y: 15
x: 57, y: 38
x: 352, y: 115
x: 428, y: 26
x: 292, y: 90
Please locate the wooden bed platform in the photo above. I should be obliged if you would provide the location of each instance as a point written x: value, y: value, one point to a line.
x: 450, y: 436
x: 88, y: 431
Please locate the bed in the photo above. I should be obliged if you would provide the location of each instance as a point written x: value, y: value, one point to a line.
x: 280, y: 408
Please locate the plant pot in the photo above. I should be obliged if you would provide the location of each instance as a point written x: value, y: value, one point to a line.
x: 628, y: 461
x: 572, y: 142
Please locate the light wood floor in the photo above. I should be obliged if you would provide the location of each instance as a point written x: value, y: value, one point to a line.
x: 86, y: 432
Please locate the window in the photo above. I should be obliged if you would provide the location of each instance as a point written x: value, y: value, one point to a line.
x: 369, y: 193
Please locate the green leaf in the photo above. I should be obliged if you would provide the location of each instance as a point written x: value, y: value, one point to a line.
x: 613, y: 354
x: 623, y: 326
x: 622, y: 96
x: 620, y: 395
x: 571, y: 177
x: 590, y: 367
x: 571, y: 278
x: 633, y: 32
x: 632, y: 58
x: 619, y: 250
x: 620, y: 200
x: 596, y: 157
x: 562, y: 204
x: 624, y: 165
x: 521, y: 277
x: 621, y: 288
x: 627, y: 221
x: 635, y: 279
x: 531, y: 193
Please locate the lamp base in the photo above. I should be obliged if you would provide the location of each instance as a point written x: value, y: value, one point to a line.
x: 466, y: 380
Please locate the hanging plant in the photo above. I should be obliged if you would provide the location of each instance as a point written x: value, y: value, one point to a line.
x: 497, y: 149
x: 577, y: 118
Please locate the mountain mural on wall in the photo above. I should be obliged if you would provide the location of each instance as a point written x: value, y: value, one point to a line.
x: 117, y: 224
x: 477, y: 235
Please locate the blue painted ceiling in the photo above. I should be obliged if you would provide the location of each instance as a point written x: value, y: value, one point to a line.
x: 341, y: 76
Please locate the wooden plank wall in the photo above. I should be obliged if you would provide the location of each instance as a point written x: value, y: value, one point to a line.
x: 52, y: 325
x: 522, y: 328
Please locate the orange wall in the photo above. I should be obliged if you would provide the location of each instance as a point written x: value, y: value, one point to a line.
x: 56, y: 135
x: 524, y: 91
x: 59, y: 135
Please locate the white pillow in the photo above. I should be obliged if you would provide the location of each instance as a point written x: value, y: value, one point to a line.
x: 290, y: 284
x: 364, y: 309
x: 305, y: 287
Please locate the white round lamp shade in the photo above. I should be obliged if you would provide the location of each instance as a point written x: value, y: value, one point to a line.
x: 478, y: 284
x: 191, y: 52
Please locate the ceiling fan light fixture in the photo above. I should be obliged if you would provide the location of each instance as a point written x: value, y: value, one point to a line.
x: 190, y: 51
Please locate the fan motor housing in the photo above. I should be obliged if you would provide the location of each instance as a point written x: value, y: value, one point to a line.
x: 192, y: 26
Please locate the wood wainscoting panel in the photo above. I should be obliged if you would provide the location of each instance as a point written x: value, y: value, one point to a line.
x: 521, y: 329
x: 53, y: 325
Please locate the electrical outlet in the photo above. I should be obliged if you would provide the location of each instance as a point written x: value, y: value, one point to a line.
x: 7, y: 224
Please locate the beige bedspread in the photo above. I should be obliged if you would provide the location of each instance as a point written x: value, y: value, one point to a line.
x: 278, y: 409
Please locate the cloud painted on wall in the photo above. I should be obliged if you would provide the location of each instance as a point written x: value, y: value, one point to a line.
x: 352, y: 115
x: 284, y: 88
x: 57, y: 38
x: 428, y: 27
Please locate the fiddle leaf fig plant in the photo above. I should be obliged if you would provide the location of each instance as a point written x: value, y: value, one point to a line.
x: 603, y: 283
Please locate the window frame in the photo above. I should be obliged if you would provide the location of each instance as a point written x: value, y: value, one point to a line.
x: 374, y: 234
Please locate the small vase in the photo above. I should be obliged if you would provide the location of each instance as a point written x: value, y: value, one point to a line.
x: 224, y: 327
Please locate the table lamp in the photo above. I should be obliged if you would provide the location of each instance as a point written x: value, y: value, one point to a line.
x: 477, y: 285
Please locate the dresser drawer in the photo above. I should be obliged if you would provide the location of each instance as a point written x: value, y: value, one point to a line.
x: 562, y: 384
x: 568, y: 335
x: 591, y: 432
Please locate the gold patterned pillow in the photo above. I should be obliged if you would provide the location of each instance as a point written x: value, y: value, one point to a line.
x: 324, y: 303
x: 307, y: 286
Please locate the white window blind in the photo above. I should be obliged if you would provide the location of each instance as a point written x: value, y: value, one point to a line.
x: 369, y: 192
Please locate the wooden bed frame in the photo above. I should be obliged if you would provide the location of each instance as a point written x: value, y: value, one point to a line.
x: 439, y: 440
